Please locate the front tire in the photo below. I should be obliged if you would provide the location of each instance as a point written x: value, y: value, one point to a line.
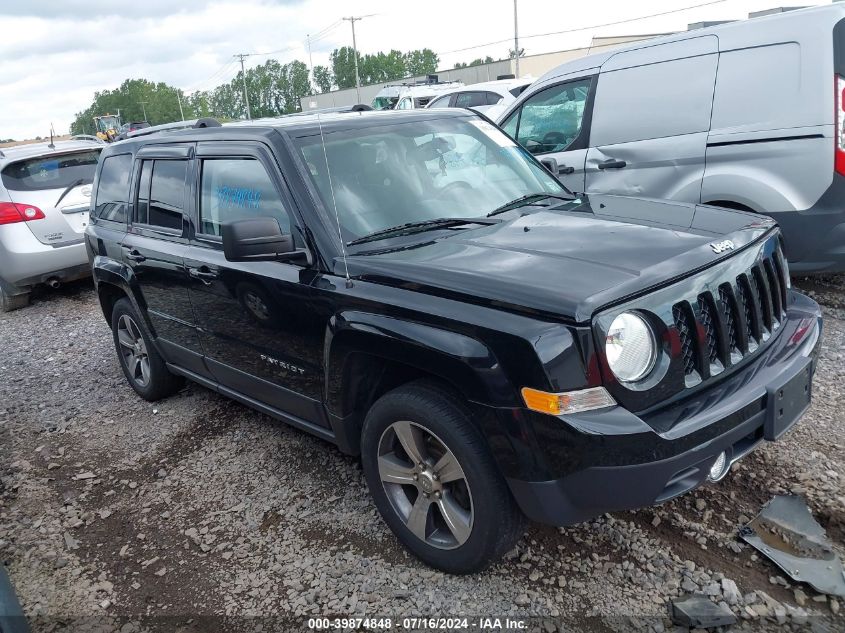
x: 434, y: 481
x: 143, y: 366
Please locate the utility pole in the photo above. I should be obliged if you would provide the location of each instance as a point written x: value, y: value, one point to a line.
x: 179, y: 98
x: 310, y: 61
x: 352, y: 20
x: 242, y: 57
x: 143, y: 107
x: 515, y: 40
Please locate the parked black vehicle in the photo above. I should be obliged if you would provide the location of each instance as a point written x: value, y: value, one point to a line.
x: 417, y: 289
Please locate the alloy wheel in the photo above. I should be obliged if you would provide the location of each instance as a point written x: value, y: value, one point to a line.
x: 426, y: 485
x: 133, y: 350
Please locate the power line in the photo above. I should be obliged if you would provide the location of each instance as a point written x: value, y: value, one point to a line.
x: 276, y: 52
x: 223, y: 70
x: 594, y: 26
x: 326, y: 30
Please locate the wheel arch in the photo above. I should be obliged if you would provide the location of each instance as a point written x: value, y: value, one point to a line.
x: 111, y: 279
x: 732, y: 204
x: 367, y: 355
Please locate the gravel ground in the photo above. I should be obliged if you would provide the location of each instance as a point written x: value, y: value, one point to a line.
x: 196, y: 507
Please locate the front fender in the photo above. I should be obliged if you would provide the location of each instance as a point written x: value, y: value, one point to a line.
x: 464, y: 362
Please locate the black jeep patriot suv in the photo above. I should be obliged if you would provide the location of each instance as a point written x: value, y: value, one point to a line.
x: 415, y: 288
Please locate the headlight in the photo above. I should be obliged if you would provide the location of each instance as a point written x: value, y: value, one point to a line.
x: 630, y: 347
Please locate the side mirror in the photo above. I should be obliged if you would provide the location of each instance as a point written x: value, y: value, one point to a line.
x: 550, y: 164
x: 257, y: 240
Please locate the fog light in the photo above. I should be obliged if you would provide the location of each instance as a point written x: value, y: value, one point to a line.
x: 719, y: 467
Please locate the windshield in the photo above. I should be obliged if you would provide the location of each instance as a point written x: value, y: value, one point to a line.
x: 386, y: 176
x: 51, y: 172
x: 384, y: 103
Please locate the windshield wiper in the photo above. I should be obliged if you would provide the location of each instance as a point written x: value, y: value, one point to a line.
x: 418, y: 227
x: 73, y: 185
x: 523, y: 200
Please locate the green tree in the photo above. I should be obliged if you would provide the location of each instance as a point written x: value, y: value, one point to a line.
x: 475, y: 62
x: 323, y: 78
x: 421, y: 62
x: 132, y: 98
x: 296, y: 85
x: 343, y: 66
x: 382, y: 67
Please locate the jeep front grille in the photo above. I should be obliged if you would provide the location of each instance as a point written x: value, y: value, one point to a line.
x: 718, y: 329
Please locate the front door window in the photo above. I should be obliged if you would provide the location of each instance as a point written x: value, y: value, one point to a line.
x: 551, y: 119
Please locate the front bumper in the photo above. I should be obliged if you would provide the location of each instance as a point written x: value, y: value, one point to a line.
x: 611, y: 459
x: 25, y: 262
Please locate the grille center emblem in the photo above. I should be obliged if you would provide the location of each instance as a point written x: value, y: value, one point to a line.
x: 721, y: 247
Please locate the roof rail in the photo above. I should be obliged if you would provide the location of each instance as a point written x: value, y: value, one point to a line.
x: 175, y: 126
x: 358, y: 107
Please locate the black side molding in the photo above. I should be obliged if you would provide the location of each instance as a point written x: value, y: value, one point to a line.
x: 772, y: 139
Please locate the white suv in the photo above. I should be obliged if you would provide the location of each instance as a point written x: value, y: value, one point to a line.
x: 45, y: 195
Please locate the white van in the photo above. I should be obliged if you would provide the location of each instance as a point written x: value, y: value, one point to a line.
x: 411, y: 96
x: 739, y: 115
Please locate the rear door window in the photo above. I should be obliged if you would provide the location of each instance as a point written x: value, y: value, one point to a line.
x: 470, y: 99
x: 236, y: 189
x: 113, y: 188
x: 161, y: 193
x: 51, y: 172
x: 440, y: 102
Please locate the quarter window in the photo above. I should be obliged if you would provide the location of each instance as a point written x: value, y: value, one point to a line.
x: 113, y: 188
x: 235, y: 189
x: 509, y: 126
x: 551, y: 119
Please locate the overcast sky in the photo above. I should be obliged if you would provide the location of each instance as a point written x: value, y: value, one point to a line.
x: 54, y: 54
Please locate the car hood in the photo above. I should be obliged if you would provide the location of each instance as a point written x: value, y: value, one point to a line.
x: 567, y: 262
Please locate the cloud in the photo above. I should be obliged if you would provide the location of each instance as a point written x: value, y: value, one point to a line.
x: 87, y: 9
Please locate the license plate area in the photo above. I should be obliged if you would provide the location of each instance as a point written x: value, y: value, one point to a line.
x: 77, y: 221
x: 788, y: 401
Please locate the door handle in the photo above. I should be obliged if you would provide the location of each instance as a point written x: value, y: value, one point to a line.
x: 205, y: 275
x: 565, y: 171
x: 612, y: 163
x: 134, y: 255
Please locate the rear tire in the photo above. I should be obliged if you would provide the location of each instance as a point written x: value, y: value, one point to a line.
x: 443, y: 495
x: 13, y: 302
x: 143, y: 366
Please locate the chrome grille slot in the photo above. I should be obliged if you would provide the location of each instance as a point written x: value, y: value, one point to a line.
x: 743, y: 291
x: 685, y: 325
x: 760, y: 288
x: 730, y: 315
x: 709, y: 323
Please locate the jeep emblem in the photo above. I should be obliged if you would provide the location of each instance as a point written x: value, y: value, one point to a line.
x: 721, y: 247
